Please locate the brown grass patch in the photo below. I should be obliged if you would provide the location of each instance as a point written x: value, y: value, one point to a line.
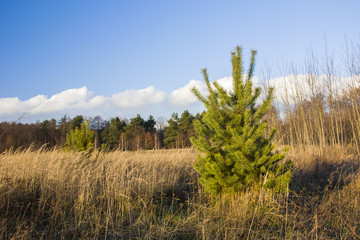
x: 156, y: 195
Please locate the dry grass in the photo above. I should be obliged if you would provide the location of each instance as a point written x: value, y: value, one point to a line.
x: 156, y: 195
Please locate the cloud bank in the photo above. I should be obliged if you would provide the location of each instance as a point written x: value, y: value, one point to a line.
x: 137, y: 98
x: 150, y: 99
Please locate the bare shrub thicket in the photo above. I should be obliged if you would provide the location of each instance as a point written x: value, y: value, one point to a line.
x: 318, y: 107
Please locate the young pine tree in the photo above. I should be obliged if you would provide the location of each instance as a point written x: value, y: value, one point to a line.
x: 81, y: 138
x: 234, y: 154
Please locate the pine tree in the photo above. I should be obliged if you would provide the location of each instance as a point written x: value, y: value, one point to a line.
x: 135, y: 133
x: 112, y: 133
x: 234, y: 154
x: 185, y: 129
x: 81, y: 138
x: 171, y: 132
x: 149, y: 125
x: 76, y: 122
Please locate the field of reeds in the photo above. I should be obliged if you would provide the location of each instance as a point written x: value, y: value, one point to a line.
x: 54, y: 194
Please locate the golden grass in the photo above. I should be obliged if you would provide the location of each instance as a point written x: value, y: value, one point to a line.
x: 156, y: 195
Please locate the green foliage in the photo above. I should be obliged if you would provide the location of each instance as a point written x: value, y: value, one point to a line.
x: 186, y: 130
x: 135, y: 133
x: 63, y: 127
x: 171, y: 131
x: 81, y: 138
x: 179, y: 130
x: 112, y: 133
x: 136, y: 121
x: 76, y: 122
x: 47, y: 133
x: 149, y: 124
x: 235, y: 155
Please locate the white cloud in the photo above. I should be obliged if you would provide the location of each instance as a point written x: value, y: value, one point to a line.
x: 10, y: 105
x: 157, y: 102
x: 183, y: 96
x: 138, y: 98
x: 79, y: 98
x: 69, y: 99
x: 96, y: 101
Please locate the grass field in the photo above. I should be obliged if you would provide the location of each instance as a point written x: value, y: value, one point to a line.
x: 156, y: 195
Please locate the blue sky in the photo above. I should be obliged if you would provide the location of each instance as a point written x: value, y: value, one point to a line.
x: 119, y: 58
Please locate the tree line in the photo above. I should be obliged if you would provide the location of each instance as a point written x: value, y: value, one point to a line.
x: 83, y: 133
x: 320, y: 117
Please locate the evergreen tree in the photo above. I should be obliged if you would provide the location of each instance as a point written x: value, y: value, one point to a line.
x: 150, y: 124
x: 43, y: 133
x: 63, y: 126
x: 150, y: 129
x: 48, y: 133
x: 80, y: 139
x: 112, y: 133
x: 186, y: 129
x: 171, y: 132
x: 76, y: 122
x: 135, y: 133
x: 230, y: 136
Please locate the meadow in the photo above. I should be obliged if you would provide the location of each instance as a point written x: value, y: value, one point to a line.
x: 57, y: 194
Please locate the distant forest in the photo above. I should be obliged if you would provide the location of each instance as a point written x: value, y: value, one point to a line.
x: 319, y: 117
x: 115, y: 134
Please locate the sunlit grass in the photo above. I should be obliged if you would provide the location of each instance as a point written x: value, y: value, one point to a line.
x: 156, y: 195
